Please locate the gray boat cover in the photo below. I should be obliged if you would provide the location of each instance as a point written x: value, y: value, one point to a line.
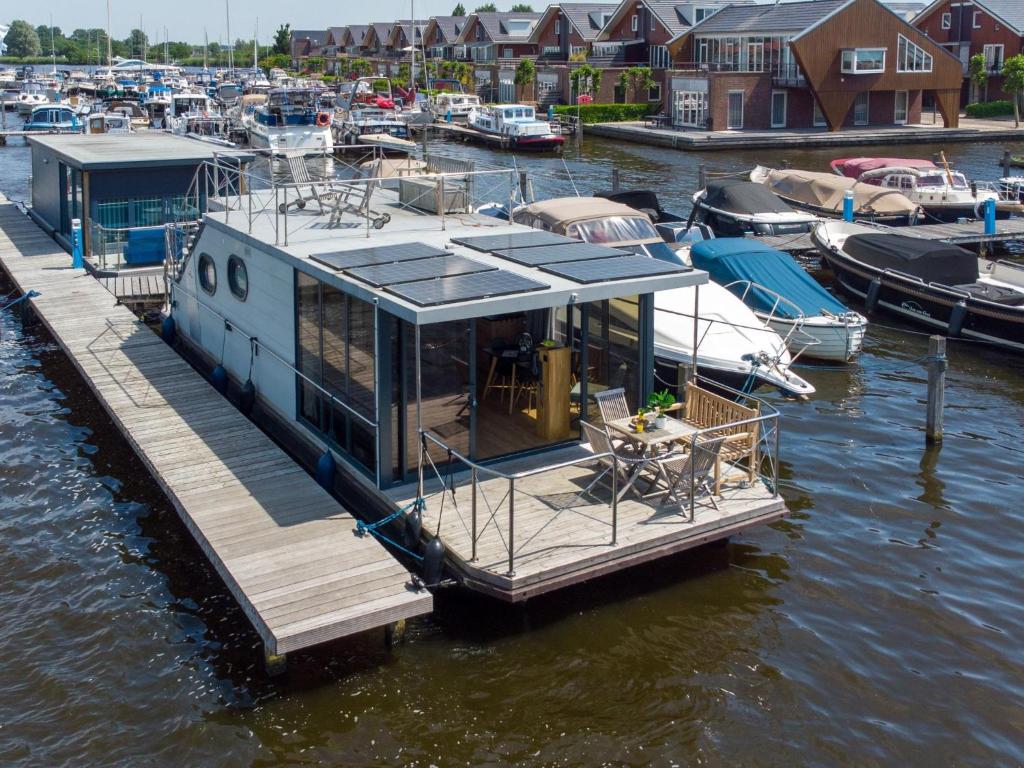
x: 826, y: 191
x: 932, y: 262
x: 737, y: 196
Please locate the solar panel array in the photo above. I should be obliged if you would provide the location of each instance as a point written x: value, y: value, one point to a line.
x: 448, y: 290
x: 552, y: 254
x: 492, y: 243
x: 619, y: 268
x: 379, y: 275
x: 383, y: 254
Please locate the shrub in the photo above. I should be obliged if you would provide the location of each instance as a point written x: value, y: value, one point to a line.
x: 606, y: 113
x: 989, y: 109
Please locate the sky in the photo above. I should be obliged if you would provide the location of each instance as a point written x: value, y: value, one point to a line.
x: 185, y: 19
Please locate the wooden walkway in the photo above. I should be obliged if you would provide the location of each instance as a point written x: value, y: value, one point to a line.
x: 284, y: 547
x: 135, y: 289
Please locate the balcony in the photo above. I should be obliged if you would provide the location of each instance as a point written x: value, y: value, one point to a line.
x: 789, y: 76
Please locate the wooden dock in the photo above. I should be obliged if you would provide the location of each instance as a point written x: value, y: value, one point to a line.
x: 465, y: 133
x: 284, y: 547
x: 135, y: 290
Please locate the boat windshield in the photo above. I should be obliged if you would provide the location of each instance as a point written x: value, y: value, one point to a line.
x: 657, y: 250
x: 613, y: 229
x: 939, y: 179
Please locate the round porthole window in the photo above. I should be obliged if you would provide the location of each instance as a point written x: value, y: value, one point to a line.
x: 207, y: 274
x: 238, y: 278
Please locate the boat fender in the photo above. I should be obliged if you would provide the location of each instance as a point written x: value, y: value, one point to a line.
x: 413, y: 528
x: 979, y: 208
x: 219, y: 379
x: 247, y: 397
x: 871, y: 297
x: 956, y: 318
x: 168, y: 330
x: 325, y: 471
x: 323, y: 119
x: 433, y: 562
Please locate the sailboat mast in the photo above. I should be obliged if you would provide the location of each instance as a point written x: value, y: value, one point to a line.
x: 206, y: 48
x: 109, y: 57
x: 53, y: 51
x: 255, y: 47
x: 231, y: 47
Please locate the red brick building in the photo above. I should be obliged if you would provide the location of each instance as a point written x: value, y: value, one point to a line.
x: 440, y: 35
x: 993, y: 28
x: 569, y: 29
x: 825, y: 63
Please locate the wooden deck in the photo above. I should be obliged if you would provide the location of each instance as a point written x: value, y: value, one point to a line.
x: 285, y: 548
x: 560, y: 541
x: 135, y: 289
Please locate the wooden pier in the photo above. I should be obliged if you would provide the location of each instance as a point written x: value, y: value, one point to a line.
x: 465, y: 133
x: 284, y: 547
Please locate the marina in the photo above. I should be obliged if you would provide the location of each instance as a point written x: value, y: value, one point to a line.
x: 433, y: 451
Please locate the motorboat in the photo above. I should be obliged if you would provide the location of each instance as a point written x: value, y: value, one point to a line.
x: 736, y: 207
x: 453, y: 106
x: 937, y: 285
x: 55, y: 118
x: 32, y: 95
x: 781, y: 293
x: 293, y: 122
x: 157, y: 104
x: 734, y: 347
x: 944, y: 194
x: 822, y: 194
x: 517, y: 125
x: 193, y: 113
x: 108, y: 122
x: 136, y: 115
x: 367, y: 116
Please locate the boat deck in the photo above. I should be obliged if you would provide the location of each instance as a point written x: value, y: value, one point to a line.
x: 285, y: 548
x: 561, y: 539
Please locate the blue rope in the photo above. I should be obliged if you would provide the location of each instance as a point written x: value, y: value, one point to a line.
x: 373, y: 528
x: 13, y: 302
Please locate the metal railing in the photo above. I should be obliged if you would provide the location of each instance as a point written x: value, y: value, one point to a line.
x: 763, y: 459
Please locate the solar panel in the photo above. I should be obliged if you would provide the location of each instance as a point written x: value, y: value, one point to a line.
x: 552, y: 254
x: 529, y: 239
x: 381, y: 254
x: 449, y: 290
x: 420, y: 269
x: 621, y: 268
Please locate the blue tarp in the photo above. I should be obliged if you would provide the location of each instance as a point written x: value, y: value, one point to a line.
x: 728, y: 259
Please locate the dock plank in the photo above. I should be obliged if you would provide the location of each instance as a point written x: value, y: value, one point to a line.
x: 284, y: 547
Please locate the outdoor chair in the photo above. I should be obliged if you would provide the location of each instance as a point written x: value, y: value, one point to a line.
x: 699, y: 464
x: 624, y: 464
x: 725, y: 418
x: 612, y: 404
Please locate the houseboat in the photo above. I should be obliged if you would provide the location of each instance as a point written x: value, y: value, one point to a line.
x: 55, y: 118
x: 446, y: 375
x: 517, y: 126
x: 293, y: 122
x: 943, y: 194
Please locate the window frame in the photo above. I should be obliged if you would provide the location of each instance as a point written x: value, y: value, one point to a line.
x: 785, y: 109
x: 634, y: 23
x: 909, y: 51
x: 946, y: 21
x: 866, y: 95
x: 975, y: 17
x: 234, y: 263
x: 854, y: 56
x: 205, y: 258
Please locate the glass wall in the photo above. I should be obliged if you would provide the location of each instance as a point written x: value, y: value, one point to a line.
x: 336, y: 350
x: 613, y: 347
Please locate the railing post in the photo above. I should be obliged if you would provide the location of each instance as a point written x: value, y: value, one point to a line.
x: 277, y: 217
x: 511, y: 194
x: 249, y: 195
x: 615, y: 499
x: 693, y: 491
x: 776, y: 458
x: 511, y: 526
x: 285, y: 204
x: 441, y: 205
x: 473, y: 507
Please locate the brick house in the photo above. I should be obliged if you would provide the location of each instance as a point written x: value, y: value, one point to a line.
x: 398, y: 41
x: 375, y: 43
x: 353, y: 39
x: 440, y: 34
x: 993, y: 28
x: 817, y: 63
x: 488, y: 37
x: 306, y: 43
x: 567, y: 29
x: 334, y: 48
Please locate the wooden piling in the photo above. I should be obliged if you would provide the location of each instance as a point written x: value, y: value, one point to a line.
x: 615, y: 179
x: 937, y: 364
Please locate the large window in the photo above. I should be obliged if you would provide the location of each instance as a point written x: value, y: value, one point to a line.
x: 752, y: 53
x: 659, y: 58
x: 335, y: 350
x: 947, y: 20
x: 994, y: 57
x: 861, y: 108
x: 863, y: 61
x: 911, y: 57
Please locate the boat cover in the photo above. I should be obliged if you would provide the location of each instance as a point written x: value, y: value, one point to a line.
x: 728, y: 259
x: 738, y: 196
x: 932, y: 262
x: 855, y: 166
x: 826, y: 190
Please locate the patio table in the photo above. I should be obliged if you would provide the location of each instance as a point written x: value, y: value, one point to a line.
x: 649, y: 442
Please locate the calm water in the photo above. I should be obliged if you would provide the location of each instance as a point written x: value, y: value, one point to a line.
x: 882, y: 623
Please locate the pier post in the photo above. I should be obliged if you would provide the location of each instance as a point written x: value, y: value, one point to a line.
x: 615, y: 179
x: 276, y: 664
x: 702, y: 177
x: 1006, y: 163
x: 394, y: 633
x: 937, y: 364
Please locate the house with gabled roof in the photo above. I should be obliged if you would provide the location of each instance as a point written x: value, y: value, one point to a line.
x: 375, y: 43
x: 334, y: 48
x: 398, y: 42
x: 306, y: 43
x: 827, y: 63
x: 354, y: 39
x: 488, y: 36
x: 993, y: 28
x: 569, y: 29
x: 440, y: 35
x: 638, y: 32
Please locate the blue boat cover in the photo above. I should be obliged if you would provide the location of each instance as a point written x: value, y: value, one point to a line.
x: 728, y: 259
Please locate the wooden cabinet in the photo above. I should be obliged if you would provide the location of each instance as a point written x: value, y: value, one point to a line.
x: 553, y: 402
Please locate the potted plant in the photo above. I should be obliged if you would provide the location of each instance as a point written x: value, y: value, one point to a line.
x: 659, y: 403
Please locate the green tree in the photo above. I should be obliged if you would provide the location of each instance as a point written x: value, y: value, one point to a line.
x: 635, y: 80
x: 486, y: 8
x: 1013, y: 83
x: 522, y: 8
x: 283, y: 40
x: 315, y: 64
x: 275, y: 60
x: 586, y: 79
x: 360, y: 67
x: 526, y: 73
x: 137, y: 43
x: 977, y: 70
x: 459, y: 10
x: 22, y: 39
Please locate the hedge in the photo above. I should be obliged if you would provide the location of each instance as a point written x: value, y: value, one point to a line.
x: 989, y: 109
x: 606, y: 113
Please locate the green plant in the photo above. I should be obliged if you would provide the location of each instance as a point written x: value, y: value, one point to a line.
x: 637, y: 79
x: 1013, y: 83
x: 459, y: 10
x: 606, y: 113
x: 283, y: 40
x: 978, y: 73
x: 989, y: 109
x: 22, y: 39
x: 526, y: 73
x: 585, y: 79
x: 661, y: 401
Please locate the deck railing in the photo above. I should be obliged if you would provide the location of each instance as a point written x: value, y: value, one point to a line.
x: 459, y: 471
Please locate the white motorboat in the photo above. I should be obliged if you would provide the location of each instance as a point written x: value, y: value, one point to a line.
x: 453, y: 106
x: 516, y: 124
x: 196, y: 114
x: 733, y: 345
x: 292, y: 122
x: 366, y: 116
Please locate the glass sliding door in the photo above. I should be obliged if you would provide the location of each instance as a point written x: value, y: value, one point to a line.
x: 900, y: 112
x: 861, y: 109
x: 735, y: 118
x: 778, y: 109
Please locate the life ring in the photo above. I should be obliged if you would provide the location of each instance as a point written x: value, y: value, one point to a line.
x: 323, y: 119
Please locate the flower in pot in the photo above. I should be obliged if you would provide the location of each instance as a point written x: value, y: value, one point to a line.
x: 659, y: 403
